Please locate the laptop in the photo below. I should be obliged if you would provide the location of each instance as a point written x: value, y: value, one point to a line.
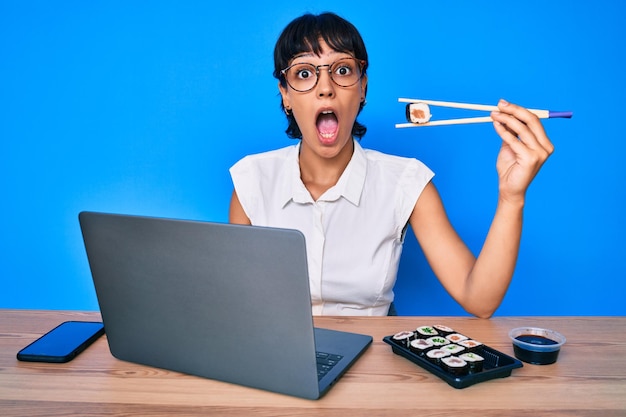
x: 221, y: 301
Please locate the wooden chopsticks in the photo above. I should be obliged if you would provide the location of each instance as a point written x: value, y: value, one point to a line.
x: 542, y: 114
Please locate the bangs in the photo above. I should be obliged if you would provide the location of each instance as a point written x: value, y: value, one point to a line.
x: 304, y: 34
x: 306, y: 38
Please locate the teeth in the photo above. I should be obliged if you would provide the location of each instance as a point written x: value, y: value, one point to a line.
x: 327, y: 112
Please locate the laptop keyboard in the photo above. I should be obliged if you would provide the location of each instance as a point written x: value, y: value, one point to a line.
x: 326, y: 362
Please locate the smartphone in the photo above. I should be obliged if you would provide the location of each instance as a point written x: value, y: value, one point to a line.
x: 63, y: 343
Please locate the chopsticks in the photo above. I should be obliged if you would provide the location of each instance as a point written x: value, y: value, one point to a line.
x: 542, y: 114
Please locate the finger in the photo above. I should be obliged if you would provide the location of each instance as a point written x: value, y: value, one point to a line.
x: 530, y: 120
x: 516, y: 128
x: 524, y: 155
x: 509, y: 137
x: 518, y: 112
x: 524, y: 134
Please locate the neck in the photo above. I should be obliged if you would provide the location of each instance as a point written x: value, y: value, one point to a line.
x: 319, y: 173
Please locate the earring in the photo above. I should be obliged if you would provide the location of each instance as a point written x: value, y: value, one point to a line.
x: 287, y: 111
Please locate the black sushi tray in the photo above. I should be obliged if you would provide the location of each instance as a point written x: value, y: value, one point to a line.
x: 496, y: 365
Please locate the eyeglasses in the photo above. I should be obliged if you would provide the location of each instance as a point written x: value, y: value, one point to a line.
x: 303, y: 76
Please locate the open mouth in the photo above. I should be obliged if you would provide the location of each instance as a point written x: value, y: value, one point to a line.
x: 327, y: 124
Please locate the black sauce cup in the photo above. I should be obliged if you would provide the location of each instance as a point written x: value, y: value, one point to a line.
x: 535, y: 345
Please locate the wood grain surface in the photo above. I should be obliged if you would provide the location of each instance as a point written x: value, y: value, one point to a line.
x: 588, y: 379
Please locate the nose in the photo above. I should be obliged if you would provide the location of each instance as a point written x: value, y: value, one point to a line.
x: 325, y: 86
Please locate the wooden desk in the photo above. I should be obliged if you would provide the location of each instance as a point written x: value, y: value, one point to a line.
x: 588, y: 379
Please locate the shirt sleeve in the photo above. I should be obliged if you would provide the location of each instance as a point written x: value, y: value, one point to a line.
x: 412, y: 182
x: 245, y: 180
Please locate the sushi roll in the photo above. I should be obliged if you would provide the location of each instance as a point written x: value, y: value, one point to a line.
x: 438, y: 341
x: 456, y: 337
x: 418, y: 113
x: 471, y: 345
x: 426, y: 331
x: 420, y: 346
x: 403, y: 338
x: 443, y: 330
x: 454, y: 365
x: 435, y: 355
x: 474, y: 361
x: 453, y: 349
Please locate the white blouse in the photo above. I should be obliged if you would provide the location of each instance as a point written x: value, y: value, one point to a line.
x: 354, y: 231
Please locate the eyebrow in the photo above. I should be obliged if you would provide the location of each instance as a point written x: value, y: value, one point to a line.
x: 311, y: 54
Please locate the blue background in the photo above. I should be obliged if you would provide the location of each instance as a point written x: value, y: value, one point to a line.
x: 141, y: 108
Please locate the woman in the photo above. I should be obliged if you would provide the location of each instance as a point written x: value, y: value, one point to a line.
x: 354, y: 205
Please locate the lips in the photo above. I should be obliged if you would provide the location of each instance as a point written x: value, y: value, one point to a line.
x: 327, y: 125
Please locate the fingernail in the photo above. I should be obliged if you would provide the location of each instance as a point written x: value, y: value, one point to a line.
x: 503, y: 102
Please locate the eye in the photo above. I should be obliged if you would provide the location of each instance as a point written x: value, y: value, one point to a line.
x: 304, y: 71
x: 344, y: 68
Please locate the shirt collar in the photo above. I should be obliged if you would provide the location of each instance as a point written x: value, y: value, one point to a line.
x: 350, y: 184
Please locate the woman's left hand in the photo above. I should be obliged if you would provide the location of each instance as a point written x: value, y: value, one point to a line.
x: 525, y: 147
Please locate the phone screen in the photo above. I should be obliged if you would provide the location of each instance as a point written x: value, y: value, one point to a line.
x: 62, y: 343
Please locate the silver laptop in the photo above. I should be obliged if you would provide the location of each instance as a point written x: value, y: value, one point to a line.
x: 222, y: 301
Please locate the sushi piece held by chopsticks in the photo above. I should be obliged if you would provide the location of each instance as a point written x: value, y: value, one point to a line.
x: 418, y: 113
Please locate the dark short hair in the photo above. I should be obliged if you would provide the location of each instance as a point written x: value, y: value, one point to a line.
x: 303, y: 35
